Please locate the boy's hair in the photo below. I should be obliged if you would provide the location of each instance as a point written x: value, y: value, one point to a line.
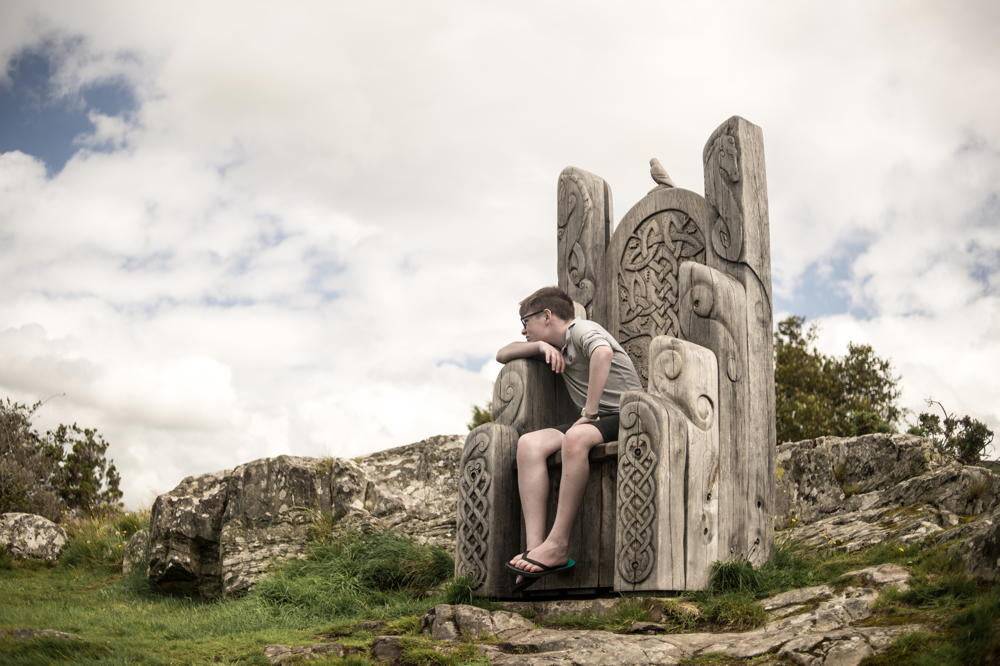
x: 553, y: 299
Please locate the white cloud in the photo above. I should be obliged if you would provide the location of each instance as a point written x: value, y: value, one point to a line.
x: 316, y: 218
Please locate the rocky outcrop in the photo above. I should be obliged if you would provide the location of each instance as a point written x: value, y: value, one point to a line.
x: 854, y: 492
x: 27, y: 536
x: 423, y: 477
x: 809, y: 626
x: 216, y: 534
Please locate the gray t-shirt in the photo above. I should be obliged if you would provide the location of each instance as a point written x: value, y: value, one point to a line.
x: 582, y: 338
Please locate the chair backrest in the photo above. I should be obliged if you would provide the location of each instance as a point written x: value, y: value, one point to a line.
x: 697, y: 268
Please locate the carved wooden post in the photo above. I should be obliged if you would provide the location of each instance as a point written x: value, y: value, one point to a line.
x: 489, y: 509
x: 526, y: 396
x: 583, y: 229
x: 666, y: 528
x: 736, y: 188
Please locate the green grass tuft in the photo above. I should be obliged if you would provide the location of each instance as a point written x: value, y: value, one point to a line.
x: 736, y: 575
x: 6, y: 561
x: 733, y: 611
x: 380, y: 575
x: 98, y: 542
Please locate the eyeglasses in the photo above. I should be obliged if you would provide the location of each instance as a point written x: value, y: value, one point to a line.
x: 525, y: 318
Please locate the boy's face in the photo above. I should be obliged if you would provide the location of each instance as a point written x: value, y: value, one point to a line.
x: 535, y: 325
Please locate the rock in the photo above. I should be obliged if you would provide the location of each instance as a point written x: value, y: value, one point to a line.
x: 447, y: 622
x: 882, y: 575
x: 217, y: 534
x: 818, y: 477
x: 31, y: 634
x: 27, y: 536
x: 284, y: 654
x: 136, y: 553
x: 646, y: 628
x: 423, y: 477
x: 797, y: 597
x: 977, y: 544
x: 387, y: 649
x: 821, y: 631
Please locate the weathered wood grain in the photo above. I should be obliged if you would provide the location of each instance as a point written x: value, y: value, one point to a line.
x: 686, y: 375
x: 736, y: 188
x: 489, y: 509
x: 583, y: 229
x: 528, y: 396
x: 713, y: 315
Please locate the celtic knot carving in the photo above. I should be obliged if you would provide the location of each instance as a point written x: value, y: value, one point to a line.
x: 636, y: 495
x: 647, y: 280
x: 508, y: 394
x: 473, y: 510
x: 572, y: 231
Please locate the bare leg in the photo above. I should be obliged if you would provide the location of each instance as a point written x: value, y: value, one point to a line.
x: 533, y: 449
x: 575, y: 472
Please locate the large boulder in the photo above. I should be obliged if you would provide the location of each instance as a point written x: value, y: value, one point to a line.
x: 27, y: 536
x: 216, y: 534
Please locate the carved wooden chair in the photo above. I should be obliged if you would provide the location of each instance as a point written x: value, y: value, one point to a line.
x: 684, y: 283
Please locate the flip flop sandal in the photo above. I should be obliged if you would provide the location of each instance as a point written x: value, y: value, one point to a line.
x: 545, y: 569
x: 526, y: 582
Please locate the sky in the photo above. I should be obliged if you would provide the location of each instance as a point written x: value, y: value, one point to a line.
x: 231, y: 230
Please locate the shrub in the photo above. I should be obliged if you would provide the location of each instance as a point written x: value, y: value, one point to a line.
x: 965, y: 439
x: 480, y: 415
x: 818, y: 394
x: 65, y: 469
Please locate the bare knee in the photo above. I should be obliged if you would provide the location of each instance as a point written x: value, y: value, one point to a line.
x: 529, y: 448
x: 577, y: 444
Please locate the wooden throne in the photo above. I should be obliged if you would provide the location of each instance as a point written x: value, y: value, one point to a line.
x: 684, y: 283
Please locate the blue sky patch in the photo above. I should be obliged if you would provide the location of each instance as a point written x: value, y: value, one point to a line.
x: 35, y: 121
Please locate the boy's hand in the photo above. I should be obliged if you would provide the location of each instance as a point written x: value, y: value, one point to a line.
x: 553, y: 356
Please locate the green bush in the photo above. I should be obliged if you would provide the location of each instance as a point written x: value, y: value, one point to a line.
x: 817, y: 394
x: 966, y: 439
x: 6, y: 561
x: 480, y: 415
x: 65, y: 469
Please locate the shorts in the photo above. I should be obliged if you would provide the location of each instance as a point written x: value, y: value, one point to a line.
x: 608, y: 425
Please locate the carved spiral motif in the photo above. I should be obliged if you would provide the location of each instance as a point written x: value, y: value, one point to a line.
x: 723, y: 172
x: 508, y: 394
x: 636, y: 495
x: 647, y: 280
x: 572, y: 231
x: 473, y: 510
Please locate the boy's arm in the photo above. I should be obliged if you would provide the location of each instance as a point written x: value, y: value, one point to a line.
x: 600, y: 366
x: 553, y: 357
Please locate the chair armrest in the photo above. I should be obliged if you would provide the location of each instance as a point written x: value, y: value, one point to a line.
x: 528, y: 396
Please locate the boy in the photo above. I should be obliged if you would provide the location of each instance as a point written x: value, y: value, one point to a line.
x: 597, y: 370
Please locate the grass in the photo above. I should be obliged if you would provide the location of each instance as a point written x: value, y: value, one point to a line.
x: 355, y: 585
x: 345, y: 582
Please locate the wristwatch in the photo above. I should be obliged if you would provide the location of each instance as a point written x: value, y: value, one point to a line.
x: 584, y: 414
